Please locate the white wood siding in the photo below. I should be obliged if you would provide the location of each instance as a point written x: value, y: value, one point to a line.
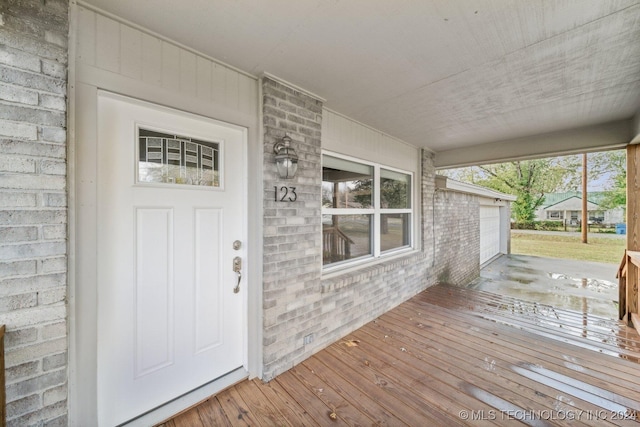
x: 109, y: 45
x: 345, y: 136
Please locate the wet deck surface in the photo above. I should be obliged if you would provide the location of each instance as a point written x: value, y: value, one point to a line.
x: 451, y: 356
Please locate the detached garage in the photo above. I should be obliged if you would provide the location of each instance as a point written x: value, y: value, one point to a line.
x: 470, y: 222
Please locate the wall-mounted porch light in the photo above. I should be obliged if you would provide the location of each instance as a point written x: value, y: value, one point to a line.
x: 286, y: 158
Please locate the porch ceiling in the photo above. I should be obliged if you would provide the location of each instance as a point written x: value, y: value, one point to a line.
x: 446, y: 75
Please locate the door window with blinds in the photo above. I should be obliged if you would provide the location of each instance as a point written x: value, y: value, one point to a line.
x: 173, y: 159
x: 366, y: 210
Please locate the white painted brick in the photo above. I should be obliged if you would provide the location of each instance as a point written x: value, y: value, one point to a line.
x: 52, y: 296
x: 54, y: 134
x: 53, y: 265
x: 18, y: 234
x: 54, y: 330
x: 40, y: 382
x: 55, y: 361
x: 17, y: 164
x: 29, y: 148
x: 32, y: 250
x: 33, y: 316
x: 35, y: 217
x: 32, y: 182
x: 54, y: 232
x: 18, y: 130
x: 18, y: 94
x: 53, y: 167
x: 23, y: 406
x: 17, y: 199
x: 54, y: 199
x: 54, y: 69
x: 17, y: 302
x: 19, y: 59
x: 54, y: 395
x: 56, y: 37
x: 11, y: 286
x: 17, y: 268
x: 53, y: 102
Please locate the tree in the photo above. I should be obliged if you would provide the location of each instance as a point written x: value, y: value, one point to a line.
x: 529, y: 180
x: 613, y: 164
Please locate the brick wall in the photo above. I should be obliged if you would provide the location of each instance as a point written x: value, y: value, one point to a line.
x: 298, y: 302
x: 33, y: 212
x: 457, y: 237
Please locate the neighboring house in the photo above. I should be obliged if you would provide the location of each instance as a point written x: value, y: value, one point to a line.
x: 152, y: 253
x: 567, y: 208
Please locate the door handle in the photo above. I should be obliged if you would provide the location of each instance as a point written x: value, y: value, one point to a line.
x: 237, y: 267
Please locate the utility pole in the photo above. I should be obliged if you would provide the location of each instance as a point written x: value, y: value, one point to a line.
x: 585, y: 215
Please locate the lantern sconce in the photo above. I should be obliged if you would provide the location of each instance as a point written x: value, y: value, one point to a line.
x: 286, y: 158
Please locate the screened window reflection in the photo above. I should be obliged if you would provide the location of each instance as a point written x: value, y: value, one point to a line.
x: 345, y: 237
x: 346, y: 184
x: 394, y: 231
x: 395, y: 190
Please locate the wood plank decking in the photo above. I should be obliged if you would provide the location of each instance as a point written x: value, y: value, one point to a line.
x: 446, y: 357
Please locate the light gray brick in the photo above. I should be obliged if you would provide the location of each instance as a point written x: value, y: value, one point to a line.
x: 52, y: 102
x: 52, y: 265
x: 32, y: 182
x: 54, y: 69
x: 61, y: 421
x: 54, y: 330
x: 40, y: 417
x: 18, y: 94
x: 35, y: 81
x: 52, y: 296
x: 17, y: 337
x: 33, y: 115
x: 54, y: 199
x: 56, y: 394
x: 19, y: 59
x: 17, y: 164
x: 53, y: 167
x: 25, y: 131
x: 32, y: 250
x: 56, y: 37
x: 23, y: 406
x: 35, y: 352
x: 19, y: 372
x: 40, y: 282
x: 17, y: 268
x: 36, y: 217
x: 8, y: 146
x: 54, y: 134
x: 54, y: 232
x: 18, y: 234
x: 55, y: 361
x: 16, y: 302
x: 33, y: 316
x: 17, y: 199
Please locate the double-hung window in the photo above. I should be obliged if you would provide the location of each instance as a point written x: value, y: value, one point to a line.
x: 366, y: 210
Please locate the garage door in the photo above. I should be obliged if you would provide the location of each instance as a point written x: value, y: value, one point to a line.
x: 489, y: 232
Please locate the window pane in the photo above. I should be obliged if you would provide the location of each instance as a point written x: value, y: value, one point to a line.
x: 345, y: 237
x: 394, y: 231
x: 177, y: 159
x: 346, y: 184
x: 395, y: 190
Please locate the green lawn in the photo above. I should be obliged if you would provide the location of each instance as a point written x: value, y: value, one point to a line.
x: 569, y: 247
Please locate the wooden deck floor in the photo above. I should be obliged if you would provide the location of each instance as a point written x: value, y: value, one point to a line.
x: 447, y: 357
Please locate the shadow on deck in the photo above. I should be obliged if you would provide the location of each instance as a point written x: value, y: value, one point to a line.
x: 451, y: 356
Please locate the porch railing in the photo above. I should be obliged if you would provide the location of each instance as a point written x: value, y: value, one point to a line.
x: 336, y: 245
x: 629, y: 277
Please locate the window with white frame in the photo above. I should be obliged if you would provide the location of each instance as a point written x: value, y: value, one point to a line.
x: 366, y: 209
x: 554, y: 215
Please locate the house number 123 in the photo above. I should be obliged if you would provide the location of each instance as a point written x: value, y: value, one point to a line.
x: 285, y: 194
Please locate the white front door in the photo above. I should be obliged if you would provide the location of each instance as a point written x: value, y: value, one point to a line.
x: 171, y: 205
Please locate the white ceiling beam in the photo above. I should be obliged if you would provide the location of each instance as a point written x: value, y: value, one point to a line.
x: 604, y: 136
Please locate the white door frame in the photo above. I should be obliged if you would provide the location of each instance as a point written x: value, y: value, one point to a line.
x: 82, y: 248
